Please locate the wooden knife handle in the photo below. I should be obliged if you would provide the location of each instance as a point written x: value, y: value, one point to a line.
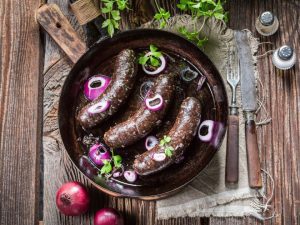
x: 58, y: 27
x: 232, y: 151
x: 254, y: 174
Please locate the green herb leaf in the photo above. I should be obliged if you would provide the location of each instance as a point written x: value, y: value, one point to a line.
x: 161, y: 16
x: 198, y: 8
x: 153, y: 48
x: 162, y: 143
x: 106, y: 23
x: 112, y: 8
x: 117, y: 161
x: 143, y: 60
x: 154, y: 61
x: 122, y: 4
x: 111, y: 30
x: 169, y: 151
x: 167, y: 138
x: 106, y: 168
x: 105, y: 10
x: 115, y: 14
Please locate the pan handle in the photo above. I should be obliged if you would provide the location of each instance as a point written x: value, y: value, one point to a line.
x: 50, y: 17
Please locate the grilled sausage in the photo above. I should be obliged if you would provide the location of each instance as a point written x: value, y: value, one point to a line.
x: 117, y: 92
x: 182, y: 133
x: 144, y: 120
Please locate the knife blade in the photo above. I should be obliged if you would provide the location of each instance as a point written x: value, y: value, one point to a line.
x: 249, y: 105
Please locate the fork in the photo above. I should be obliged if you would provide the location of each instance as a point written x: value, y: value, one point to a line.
x: 232, y: 151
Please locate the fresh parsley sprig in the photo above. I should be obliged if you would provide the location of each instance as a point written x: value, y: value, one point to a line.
x: 115, y: 162
x: 112, y: 10
x: 152, y: 59
x: 164, y: 142
x: 198, y: 8
x: 162, y: 16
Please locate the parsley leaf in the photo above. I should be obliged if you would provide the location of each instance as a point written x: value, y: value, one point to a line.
x: 162, y: 16
x: 169, y: 151
x: 167, y: 148
x: 112, y: 10
x: 198, y: 8
x: 117, y: 161
x: 152, y: 59
x: 106, y: 168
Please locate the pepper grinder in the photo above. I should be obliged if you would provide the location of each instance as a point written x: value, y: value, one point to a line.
x: 284, y: 57
x: 267, y: 24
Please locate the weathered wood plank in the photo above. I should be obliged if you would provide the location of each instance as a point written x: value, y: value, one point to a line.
x: 20, y: 112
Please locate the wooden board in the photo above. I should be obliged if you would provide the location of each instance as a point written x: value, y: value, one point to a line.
x: 20, y: 112
x: 279, y: 141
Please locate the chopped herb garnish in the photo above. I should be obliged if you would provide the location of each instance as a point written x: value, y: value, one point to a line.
x: 106, y: 168
x: 109, y: 165
x: 151, y: 59
x: 117, y: 161
x: 169, y: 151
x: 164, y: 143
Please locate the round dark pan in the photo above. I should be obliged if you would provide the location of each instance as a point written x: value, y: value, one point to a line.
x: 199, y: 154
x: 100, y: 57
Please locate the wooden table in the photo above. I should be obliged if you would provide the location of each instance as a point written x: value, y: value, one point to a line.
x: 31, y: 61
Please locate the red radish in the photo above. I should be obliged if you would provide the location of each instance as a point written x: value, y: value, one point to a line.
x: 72, y: 199
x: 108, y: 216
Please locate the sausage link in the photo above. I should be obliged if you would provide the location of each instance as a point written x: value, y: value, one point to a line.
x: 144, y: 120
x: 117, y: 92
x: 182, y: 133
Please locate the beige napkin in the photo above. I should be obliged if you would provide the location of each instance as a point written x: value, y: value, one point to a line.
x: 207, y: 195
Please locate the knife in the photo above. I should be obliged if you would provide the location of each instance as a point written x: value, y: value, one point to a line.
x: 249, y: 105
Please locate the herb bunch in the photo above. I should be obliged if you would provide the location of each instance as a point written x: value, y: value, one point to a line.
x: 112, y: 9
x: 152, y: 59
x: 197, y: 8
x: 164, y: 142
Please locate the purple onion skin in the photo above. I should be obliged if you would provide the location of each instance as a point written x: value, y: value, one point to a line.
x: 72, y: 199
x: 108, y: 216
x: 93, y: 93
x: 97, y: 156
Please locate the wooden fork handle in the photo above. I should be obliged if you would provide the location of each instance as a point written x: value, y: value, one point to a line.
x: 232, y: 151
x: 254, y: 173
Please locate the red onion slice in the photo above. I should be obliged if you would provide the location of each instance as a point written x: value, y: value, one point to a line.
x: 157, y: 106
x: 159, y: 157
x: 145, y: 87
x: 90, y: 92
x: 159, y: 69
x: 151, y: 142
x: 209, y: 124
x: 98, y: 153
x: 117, y: 174
x: 130, y: 176
x: 99, y: 107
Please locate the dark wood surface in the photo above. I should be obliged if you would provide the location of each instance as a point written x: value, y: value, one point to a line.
x: 20, y: 112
